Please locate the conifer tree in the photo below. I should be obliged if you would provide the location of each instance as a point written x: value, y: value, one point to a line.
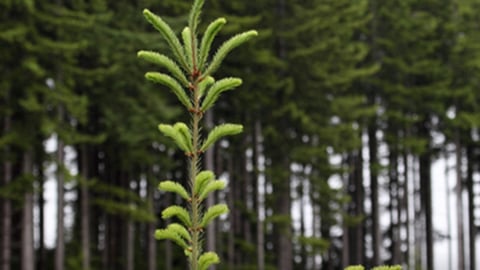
x: 461, y: 119
x: 411, y: 86
x: 332, y: 67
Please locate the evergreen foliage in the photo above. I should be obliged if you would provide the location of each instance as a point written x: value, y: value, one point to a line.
x: 191, y: 59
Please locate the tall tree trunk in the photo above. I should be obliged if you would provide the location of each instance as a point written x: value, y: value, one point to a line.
x: 6, y: 233
x: 471, y: 209
x: 129, y: 229
x: 459, y: 193
x: 406, y: 209
x: 85, y: 209
x: 40, y: 157
x: 283, y: 228
x: 281, y: 167
x: 151, y: 244
x: 60, y: 240
x: 359, y: 209
x: 374, y: 188
x: 28, y: 251
x: 426, y: 198
x: 130, y: 245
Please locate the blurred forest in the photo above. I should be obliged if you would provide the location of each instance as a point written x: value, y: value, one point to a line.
x: 346, y: 105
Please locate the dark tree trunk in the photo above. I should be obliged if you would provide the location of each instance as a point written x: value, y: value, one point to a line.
x: 41, y: 257
x: 28, y: 258
x: 130, y: 245
x: 85, y: 208
x: 394, y: 206
x: 426, y: 197
x: 353, y: 239
x: 151, y: 244
x: 374, y: 188
x: 283, y: 229
x: 359, y: 209
x: 406, y: 207
x: 6, y: 233
x: 60, y: 241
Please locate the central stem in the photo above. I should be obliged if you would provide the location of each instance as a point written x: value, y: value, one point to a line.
x: 194, y: 170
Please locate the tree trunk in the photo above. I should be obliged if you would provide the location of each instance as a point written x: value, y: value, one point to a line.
x: 60, y: 240
x: 40, y: 157
x: 426, y: 201
x: 85, y: 209
x: 406, y: 209
x: 359, y: 199
x: 28, y: 259
x: 129, y: 245
x: 6, y: 233
x: 375, y: 218
x: 283, y: 228
x: 151, y: 244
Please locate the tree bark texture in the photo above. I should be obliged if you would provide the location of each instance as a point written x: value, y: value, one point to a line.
x: 28, y: 252
x: 6, y: 233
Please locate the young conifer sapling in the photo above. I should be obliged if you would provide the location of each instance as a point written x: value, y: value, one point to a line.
x: 188, y: 73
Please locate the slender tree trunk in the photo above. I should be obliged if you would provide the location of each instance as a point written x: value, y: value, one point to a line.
x: 281, y: 181
x: 283, y: 229
x: 406, y: 207
x: 459, y: 193
x: 130, y: 237
x: 375, y: 218
x: 85, y: 209
x: 129, y: 229
x: 28, y: 258
x: 359, y: 210
x: 60, y: 240
x: 151, y: 244
x: 426, y: 199
x: 6, y: 233
x: 41, y: 209
x: 347, y: 235
x: 471, y: 209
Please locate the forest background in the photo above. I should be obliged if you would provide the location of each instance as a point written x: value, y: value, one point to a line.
x: 347, y: 108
